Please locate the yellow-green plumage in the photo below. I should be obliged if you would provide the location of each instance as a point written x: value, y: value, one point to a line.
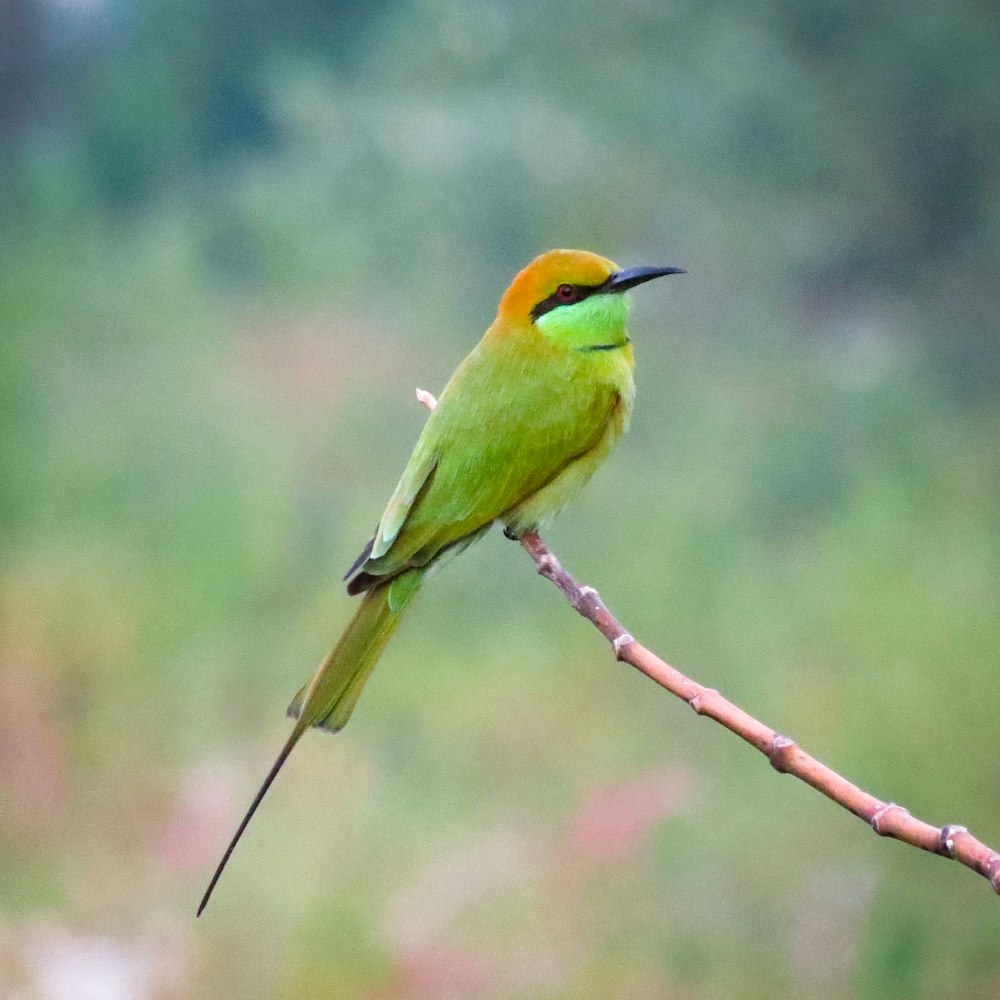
x: 520, y: 427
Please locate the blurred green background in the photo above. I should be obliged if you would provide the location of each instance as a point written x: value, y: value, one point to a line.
x: 233, y: 239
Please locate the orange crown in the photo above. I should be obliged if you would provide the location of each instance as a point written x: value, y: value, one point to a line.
x: 539, y: 279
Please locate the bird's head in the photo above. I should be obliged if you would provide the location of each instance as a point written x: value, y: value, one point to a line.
x: 574, y: 298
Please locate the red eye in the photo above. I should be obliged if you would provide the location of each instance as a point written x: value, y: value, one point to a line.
x: 567, y: 293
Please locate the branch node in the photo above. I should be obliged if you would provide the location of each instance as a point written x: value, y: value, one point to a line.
x: 582, y: 595
x: 547, y: 565
x: 879, y: 815
x: 946, y: 839
x: 620, y: 642
x: 778, y: 754
x: 697, y: 700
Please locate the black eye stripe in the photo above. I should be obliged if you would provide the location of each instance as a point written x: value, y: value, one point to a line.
x: 555, y: 300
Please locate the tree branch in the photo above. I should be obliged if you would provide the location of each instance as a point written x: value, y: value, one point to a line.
x: 887, y: 819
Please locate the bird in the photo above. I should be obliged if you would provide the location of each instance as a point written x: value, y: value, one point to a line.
x: 522, y: 424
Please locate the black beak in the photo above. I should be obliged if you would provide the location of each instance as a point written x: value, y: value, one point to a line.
x: 621, y: 281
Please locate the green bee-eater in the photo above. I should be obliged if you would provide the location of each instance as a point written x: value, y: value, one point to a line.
x: 519, y: 428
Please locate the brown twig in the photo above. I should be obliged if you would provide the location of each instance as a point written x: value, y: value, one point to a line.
x: 886, y: 818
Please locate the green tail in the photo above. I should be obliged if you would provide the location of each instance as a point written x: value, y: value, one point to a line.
x: 331, y: 694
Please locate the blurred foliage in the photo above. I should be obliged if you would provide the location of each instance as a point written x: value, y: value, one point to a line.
x: 235, y: 237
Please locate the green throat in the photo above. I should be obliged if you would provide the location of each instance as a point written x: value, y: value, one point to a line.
x: 598, y: 323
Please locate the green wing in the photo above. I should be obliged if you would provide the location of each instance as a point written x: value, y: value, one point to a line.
x: 415, y: 477
x: 492, y: 441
